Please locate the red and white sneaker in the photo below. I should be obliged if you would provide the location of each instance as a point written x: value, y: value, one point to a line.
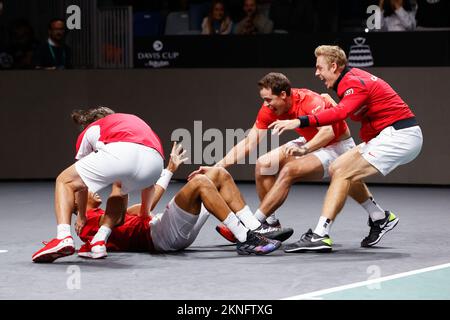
x: 98, y: 250
x: 226, y: 233
x: 85, y: 250
x: 54, y: 249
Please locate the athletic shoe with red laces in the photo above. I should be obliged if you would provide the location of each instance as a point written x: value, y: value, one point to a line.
x: 54, y: 249
x: 98, y: 250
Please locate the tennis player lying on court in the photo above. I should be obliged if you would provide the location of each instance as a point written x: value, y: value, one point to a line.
x: 177, y: 227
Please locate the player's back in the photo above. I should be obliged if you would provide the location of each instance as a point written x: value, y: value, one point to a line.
x: 382, y: 107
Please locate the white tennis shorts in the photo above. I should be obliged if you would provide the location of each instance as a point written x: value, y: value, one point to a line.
x: 136, y: 166
x: 328, y: 154
x: 392, y: 148
x: 176, y: 229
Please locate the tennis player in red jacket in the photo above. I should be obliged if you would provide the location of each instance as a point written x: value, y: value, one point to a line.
x: 389, y: 130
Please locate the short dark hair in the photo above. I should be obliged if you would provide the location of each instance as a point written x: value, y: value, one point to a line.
x: 85, y: 117
x: 55, y: 20
x: 277, y: 82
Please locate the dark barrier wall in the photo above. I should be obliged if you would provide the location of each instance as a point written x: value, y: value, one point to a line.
x: 381, y: 49
x: 38, y: 137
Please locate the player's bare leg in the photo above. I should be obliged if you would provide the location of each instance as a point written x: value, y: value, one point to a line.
x: 227, y: 188
x: 116, y: 207
x: 200, y: 190
x: 266, y: 170
x: 68, y: 184
x: 348, y: 168
x: 295, y: 169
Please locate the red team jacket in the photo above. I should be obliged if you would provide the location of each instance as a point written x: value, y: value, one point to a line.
x: 364, y: 98
x: 304, y: 102
x: 132, y: 235
x: 121, y: 127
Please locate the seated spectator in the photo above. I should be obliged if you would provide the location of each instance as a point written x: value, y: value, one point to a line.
x: 6, y: 60
x: 217, y: 22
x: 21, y: 44
x: 397, y: 15
x: 253, y: 22
x: 433, y: 14
x: 54, y: 54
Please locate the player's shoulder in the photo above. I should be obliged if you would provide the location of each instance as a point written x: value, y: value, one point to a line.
x: 354, y: 79
x: 265, y: 117
x: 304, y: 92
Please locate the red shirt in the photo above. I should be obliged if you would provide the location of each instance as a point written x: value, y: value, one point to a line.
x: 365, y: 98
x: 132, y: 235
x: 117, y: 127
x: 304, y: 102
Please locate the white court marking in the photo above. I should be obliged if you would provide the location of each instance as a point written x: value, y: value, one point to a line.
x: 3, y: 251
x: 317, y: 294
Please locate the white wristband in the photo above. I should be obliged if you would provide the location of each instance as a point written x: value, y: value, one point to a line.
x: 164, y: 180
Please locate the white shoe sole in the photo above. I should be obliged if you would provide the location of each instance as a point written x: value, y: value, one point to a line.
x: 99, y: 254
x: 305, y: 249
x: 63, y: 249
x: 395, y: 222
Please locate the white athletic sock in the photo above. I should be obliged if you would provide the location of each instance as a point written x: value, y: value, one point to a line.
x: 323, y: 226
x: 261, y: 217
x: 247, y: 218
x: 373, y: 209
x: 272, y: 219
x: 102, y: 234
x: 238, y: 229
x: 62, y: 231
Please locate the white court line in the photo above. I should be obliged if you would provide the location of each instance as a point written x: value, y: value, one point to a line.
x: 318, y: 293
x: 3, y: 251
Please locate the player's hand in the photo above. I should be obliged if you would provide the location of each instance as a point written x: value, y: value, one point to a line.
x: 201, y: 170
x: 295, y: 151
x: 176, y: 157
x: 80, y: 223
x: 279, y: 126
x: 328, y: 98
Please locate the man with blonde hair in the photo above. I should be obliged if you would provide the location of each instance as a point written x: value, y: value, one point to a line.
x: 389, y: 130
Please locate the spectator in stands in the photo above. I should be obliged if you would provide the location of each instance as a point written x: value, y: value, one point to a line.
x: 397, y: 15
x: 2, y: 27
x: 433, y: 14
x: 217, y: 21
x: 54, y: 54
x: 6, y: 60
x: 253, y: 22
x: 22, y: 44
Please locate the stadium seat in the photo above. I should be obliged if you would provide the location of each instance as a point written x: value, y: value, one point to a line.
x: 177, y: 23
x: 147, y: 24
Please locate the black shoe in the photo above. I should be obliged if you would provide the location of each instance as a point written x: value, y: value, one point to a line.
x: 257, y: 244
x: 379, y: 228
x: 275, y: 231
x: 310, y: 241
